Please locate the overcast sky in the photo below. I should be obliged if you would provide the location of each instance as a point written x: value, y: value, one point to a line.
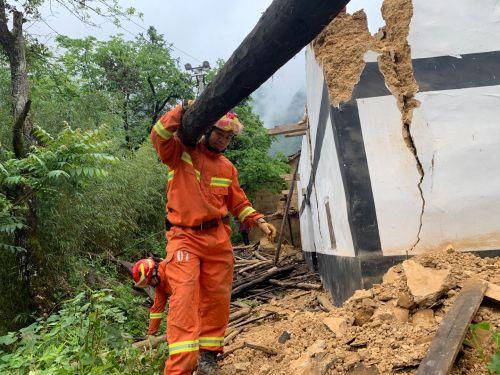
x: 205, y: 30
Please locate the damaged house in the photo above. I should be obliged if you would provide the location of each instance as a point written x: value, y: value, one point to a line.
x: 402, y: 152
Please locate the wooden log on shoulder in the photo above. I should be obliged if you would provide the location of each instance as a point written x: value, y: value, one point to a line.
x: 450, y: 334
x: 282, y: 31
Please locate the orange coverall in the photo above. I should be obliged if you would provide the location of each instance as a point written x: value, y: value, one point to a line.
x: 201, y: 186
x: 162, y: 291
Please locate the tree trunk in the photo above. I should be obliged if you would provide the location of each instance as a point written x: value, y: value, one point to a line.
x: 14, y: 45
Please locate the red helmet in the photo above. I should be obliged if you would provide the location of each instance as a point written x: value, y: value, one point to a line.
x: 230, y: 123
x: 143, y: 271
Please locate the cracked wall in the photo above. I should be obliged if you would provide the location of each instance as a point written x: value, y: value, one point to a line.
x: 340, y: 50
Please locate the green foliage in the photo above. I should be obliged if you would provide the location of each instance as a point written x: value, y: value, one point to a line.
x: 121, y: 214
x: 472, y: 339
x: 494, y: 365
x: 249, y: 152
x: 60, y: 163
x: 137, y: 76
x: 87, y: 336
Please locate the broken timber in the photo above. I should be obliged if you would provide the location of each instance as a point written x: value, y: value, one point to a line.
x: 287, y: 129
x: 285, y: 216
x: 282, y: 31
x: 450, y: 334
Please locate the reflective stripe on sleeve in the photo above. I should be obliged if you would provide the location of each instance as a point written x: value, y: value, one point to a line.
x: 161, y: 131
x: 156, y: 315
x: 170, y: 175
x: 219, y: 181
x: 187, y: 158
x: 183, y: 346
x: 211, y: 341
x: 245, y: 212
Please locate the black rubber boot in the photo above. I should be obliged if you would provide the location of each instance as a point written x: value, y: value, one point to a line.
x: 207, y: 363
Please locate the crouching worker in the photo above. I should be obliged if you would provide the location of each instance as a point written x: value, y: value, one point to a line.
x: 147, y: 272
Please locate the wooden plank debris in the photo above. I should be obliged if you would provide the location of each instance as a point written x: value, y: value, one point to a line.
x: 287, y: 129
x: 285, y: 216
x: 297, y: 134
x: 450, y: 334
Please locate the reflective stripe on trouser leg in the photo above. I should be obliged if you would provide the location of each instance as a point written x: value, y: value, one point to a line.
x: 183, y: 346
x: 216, y: 276
x: 182, y: 272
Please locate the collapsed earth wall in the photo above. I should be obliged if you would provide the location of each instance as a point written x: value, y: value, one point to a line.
x: 402, y: 151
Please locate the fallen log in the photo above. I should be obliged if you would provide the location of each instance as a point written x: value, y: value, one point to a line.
x: 266, y: 276
x: 282, y: 31
x: 450, y: 334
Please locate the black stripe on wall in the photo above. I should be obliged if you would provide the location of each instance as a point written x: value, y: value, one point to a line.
x: 353, y: 166
x: 437, y: 74
x: 318, y: 144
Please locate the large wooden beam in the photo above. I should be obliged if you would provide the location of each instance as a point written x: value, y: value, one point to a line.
x: 282, y: 31
x: 450, y: 334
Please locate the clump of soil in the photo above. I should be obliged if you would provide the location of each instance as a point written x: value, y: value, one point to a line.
x: 379, y: 331
x: 339, y: 49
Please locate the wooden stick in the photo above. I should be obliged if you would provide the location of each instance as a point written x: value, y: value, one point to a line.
x: 231, y: 351
x: 450, y: 334
x: 232, y: 335
x: 256, y: 265
x: 260, y: 347
x: 295, y: 285
x: 253, y: 320
x: 238, y: 314
x: 285, y: 215
x: 267, y: 275
x: 301, y: 294
x: 259, y: 256
x: 150, y: 342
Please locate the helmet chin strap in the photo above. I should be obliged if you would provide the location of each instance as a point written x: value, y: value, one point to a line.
x: 207, y: 144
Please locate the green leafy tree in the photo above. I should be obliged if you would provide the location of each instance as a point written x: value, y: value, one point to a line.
x: 140, y: 76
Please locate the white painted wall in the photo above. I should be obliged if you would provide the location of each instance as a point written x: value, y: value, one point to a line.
x: 329, y: 186
x: 440, y: 28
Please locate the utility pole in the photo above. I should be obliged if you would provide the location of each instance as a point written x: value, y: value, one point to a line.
x: 199, y: 73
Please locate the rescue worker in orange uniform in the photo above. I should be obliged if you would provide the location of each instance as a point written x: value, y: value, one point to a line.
x: 146, y: 272
x: 202, y: 188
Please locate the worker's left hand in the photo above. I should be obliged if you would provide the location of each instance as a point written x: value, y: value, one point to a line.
x: 267, y: 228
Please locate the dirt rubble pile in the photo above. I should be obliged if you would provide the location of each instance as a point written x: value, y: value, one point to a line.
x: 383, y: 330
